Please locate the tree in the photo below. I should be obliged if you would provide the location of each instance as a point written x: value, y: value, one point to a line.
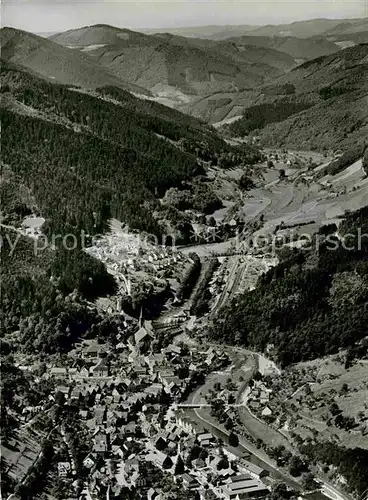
x: 258, y: 376
x: 229, y: 424
x: 231, y: 399
x: 233, y: 440
x: 179, y: 466
x: 223, y: 464
x: 296, y: 465
x: 246, y: 183
x: 344, y: 388
x: 334, y: 409
x: 309, y: 482
x: 280, y: 492
x: 259, y: 443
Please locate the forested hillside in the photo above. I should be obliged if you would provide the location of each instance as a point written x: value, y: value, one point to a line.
x: 87, y: 158
x: 38, y: 312
x: 299, y: 48
x: 260, y: 115
x: 318, y: 105
x: 310, y: 305
x: 176, y: 65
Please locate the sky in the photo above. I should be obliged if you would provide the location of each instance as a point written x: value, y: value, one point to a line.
x: 55, y: 15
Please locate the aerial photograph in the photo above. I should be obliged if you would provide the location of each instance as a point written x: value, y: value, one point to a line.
x: 184, y: 249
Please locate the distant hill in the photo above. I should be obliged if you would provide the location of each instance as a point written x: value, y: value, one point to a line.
x: 298, y: 48
x: 210, y: 32
x: 348, y: 34
x: 352, y: 38
x: 346, y: 67
x: 349, y: 27
x: 303, y: 29
x: 299, y: 29
x: 340, y: 123
x: 339, y: 85
x: 96, y: 34
x: 56, y: 63
x: 168, y: 63
x: 249, y: 53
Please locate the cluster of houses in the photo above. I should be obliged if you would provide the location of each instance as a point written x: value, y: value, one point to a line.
x: 127, y: 398
x: 206, y: 465
x: 181, y: 450
x: 135, y: 262
x: 259, y: 398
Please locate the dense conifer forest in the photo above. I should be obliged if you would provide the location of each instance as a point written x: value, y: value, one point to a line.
x: 45, y: 293
x: 258, y: 116
x: 350, y: 463
x: 88, y: 158
x: 78, y: 159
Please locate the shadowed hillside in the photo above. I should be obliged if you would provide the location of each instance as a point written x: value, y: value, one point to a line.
x: 300, y: 49
x: 87, y: 157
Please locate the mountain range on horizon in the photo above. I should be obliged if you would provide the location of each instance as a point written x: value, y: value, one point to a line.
x: 300, y: 29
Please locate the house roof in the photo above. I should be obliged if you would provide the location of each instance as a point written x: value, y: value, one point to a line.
x: 266, y: 411
x: 188, y: 478
x: 94, y: 348
x: 242, y: 477
x: 58, y: 371
x: 234, y: 451
x: 64, y: 465
x: 245, y: 487
x: 252, y: 467
x: 204, y: 436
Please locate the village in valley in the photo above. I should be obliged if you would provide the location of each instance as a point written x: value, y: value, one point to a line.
x: 116, y: 418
